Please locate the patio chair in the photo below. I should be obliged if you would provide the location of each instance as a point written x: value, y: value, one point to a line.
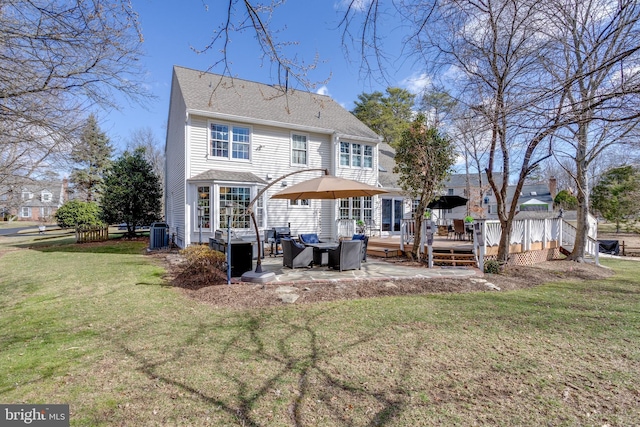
x: 365, y: 242
x: 296, y: 255
x: 347, y: 256
x: 309, y: 238
x: 458, y: 228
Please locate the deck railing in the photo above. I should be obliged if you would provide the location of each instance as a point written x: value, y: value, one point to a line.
x: 345, y: 227
x: 525, y: 233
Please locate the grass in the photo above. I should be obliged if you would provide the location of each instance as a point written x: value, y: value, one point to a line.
x: 96, y: 327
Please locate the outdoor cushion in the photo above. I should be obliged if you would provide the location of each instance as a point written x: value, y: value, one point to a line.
x: 298, y: 244
x: 358, y: 237
x: 309, y: 238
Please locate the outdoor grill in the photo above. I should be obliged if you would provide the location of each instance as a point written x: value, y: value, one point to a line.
x: 275, y: 237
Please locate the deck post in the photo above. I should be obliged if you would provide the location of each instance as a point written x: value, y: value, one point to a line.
x: 428, y: 230
x: 480, y: 230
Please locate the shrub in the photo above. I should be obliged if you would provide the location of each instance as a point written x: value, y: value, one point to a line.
x: 75, y: 213
x: 204, y: 266
x: 468, y: 219
x: 492, y: 266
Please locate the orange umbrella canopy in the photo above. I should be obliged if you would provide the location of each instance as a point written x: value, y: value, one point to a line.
x: 328, y: 187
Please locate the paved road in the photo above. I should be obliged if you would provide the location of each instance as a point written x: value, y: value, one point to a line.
x: 14, y: 231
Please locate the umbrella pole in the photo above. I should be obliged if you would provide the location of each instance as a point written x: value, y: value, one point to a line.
x: 255, y: 225
x: 257, y: 275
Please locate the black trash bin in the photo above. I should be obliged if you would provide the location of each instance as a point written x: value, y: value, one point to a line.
x: 611, y: 247
x: 158, y: 235
x: 241, y: 254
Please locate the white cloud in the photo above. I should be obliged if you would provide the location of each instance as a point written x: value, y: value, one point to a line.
x: 416, y: 83
x: 357, y: 5
x: 323, y: 90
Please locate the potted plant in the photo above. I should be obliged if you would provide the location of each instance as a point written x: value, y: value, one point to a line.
x: 360, y: 226
x: 468, y: 219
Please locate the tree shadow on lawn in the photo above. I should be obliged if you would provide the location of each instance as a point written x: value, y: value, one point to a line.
x: 303, y: 362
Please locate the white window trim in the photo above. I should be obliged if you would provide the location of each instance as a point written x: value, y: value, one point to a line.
x: 46, y: 196
x: 351, y: 155
x: 291, y: 149
x: 295, y: 204
x: 230, y: 126
x: 22, y: 210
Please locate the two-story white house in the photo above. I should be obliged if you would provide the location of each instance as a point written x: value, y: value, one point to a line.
x: 229, y: 138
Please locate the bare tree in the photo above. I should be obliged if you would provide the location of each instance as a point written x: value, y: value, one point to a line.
x: 144, y: 138
x: 536, y: 72
x: 244, y: 16
x: 493, y: 47
x: 472, y: 137
x: 598, y: 58
x: 58, y: 60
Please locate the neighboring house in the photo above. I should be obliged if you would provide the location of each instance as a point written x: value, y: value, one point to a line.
x: 229, y: 138
x: 535, y: 196
x: 33, y: 201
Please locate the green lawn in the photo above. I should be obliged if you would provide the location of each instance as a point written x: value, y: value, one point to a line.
x: 97, y: 328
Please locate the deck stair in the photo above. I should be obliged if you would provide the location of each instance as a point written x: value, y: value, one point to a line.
x: 384, y: 248
x: 453, y: 257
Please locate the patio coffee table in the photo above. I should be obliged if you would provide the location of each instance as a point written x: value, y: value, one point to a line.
x: 321, y: 252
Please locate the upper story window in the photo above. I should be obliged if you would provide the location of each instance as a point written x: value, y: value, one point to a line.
x: 299, y: 149
x: 231, y: 142
x: 356, y: 155
x: 450, y: 192
x: 26, y: 195
x: 46, y: 196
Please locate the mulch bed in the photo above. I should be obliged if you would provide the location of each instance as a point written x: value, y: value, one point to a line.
x: 250, y: 295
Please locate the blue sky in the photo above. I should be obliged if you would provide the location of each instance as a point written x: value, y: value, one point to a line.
x: 171, y: 28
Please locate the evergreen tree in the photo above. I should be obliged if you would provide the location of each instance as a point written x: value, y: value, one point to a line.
x: 132, y: 192
x: 389, y: 115
x: 92, y: 156
x: 616, y: 196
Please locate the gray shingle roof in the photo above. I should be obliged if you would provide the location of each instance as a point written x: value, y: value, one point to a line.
x: 232, y: 176
x: 213, y: 93
x: 388, y: 179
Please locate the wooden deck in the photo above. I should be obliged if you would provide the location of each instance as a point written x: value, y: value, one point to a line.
x: 445, y: 251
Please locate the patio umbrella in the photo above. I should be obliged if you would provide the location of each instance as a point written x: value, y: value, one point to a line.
x: 447, y: 202
x: 328, y: 187
x: 324, y: 187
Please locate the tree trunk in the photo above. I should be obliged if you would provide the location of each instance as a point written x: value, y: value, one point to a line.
x: 505, y: 240
x: 582, y: 226
x: 417, y: 217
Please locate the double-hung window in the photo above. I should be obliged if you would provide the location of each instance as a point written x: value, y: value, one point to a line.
x: 345, y: 149
x: 359, y: 156
x: 299, y: 149
x: 231, y: 142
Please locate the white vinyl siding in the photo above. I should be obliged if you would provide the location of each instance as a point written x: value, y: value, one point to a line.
x: 176, y: 166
